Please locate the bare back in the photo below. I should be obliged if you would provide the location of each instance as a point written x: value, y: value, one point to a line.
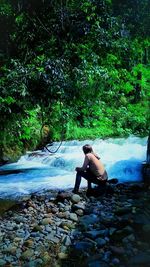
x: 95, y: 165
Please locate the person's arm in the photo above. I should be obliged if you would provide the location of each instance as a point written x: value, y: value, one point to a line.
x: 85, y: 164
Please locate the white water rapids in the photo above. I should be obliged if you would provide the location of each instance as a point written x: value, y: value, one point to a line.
x: 122, y: 158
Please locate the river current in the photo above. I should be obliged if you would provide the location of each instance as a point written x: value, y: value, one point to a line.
x: 41, y: 170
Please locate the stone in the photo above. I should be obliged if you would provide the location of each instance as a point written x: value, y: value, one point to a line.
x: 79, y: 212
x: 61, y: 215
x: 146, y: 229
x: 11, y: 249
x: 46, y: 257
x: 128, y: 229
x: 66, y: 241
x: 88, y: 220
x: 78, y: 206
x: 115, y: 261
x: 62, y: 256
x: 73, y: 217
x: 27, y: 254
x: 48, y: 228
x: 67, y: 224
x: 122, y: 210
x: 54, y: 210
x: 2, y: 262
x: 140, y: 259
x: 52, y: 238
x: 117, y: 250
x: 75, y: 198
x: 120, y: 234
x: 62, y: 196
x: 83, y: 246
x: 34, y: 263
x: 96, y: 233
x: 37, y: 228
x: 129, y: 238
x: 100, y: 242
x: 46, y: 221
x: 112, y: 230
x: 96, y: 261
x: 29, y: 243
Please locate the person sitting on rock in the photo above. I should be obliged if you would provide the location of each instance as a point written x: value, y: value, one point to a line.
x: 92, y: 170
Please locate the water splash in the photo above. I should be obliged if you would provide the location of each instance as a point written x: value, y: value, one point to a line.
x: 40, y: 170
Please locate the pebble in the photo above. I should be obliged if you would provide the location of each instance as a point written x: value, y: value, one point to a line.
x: 102, y: 229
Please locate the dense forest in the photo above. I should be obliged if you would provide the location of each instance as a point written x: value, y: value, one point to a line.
x: 72, y: 70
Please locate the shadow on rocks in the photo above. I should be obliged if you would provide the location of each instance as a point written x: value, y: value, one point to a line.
x: 109, y: 232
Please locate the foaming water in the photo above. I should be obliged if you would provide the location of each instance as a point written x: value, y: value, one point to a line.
x: 40, y: 170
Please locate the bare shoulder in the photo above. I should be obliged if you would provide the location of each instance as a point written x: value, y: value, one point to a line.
x: 89, y: 155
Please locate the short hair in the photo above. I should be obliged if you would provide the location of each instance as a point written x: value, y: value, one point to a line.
x: 87, y: 149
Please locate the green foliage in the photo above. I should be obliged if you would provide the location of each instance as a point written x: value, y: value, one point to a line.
x: 81, y: 67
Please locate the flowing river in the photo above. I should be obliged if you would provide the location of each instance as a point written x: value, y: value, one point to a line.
x: 41, y: 170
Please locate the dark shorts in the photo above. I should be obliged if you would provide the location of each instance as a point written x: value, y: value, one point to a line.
x: 88, y: 175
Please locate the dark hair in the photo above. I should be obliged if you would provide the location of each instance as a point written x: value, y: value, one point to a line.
x: 87, y: 149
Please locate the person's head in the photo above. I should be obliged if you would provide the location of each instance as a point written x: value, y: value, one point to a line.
x: 87, y: 149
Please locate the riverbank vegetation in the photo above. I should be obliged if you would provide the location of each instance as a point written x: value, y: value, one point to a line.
x: 78, y: 68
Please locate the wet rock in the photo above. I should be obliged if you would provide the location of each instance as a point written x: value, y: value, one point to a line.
x: 123, y: 210
x: 119, y: 235
x: 62, y: 196
x: 129, y: 238
x: 146, y: 228
x: 61, y: 215
x: 33, y: 263
x: 100, y: 242
x: 20, y: 219
x: 27, y: 254
x: 115, y: 261
x: 87, y: 220
x: 117, y: 250
x: 46, y: 257
x: 37, y: 228
x: 106, y: 256
x: 62, y: 256
x: 96, y: 233
x: 78, y: 206
x: 46, y: 221
x: 11, y: 249
x: 142, y: 259
x: 75, y: 198
x: 98, y: 226
x: 67, y: 224
x: 66, y: 241
x: 29, y: 243
x: 83, y: 246
x: 96, y: 261
x: 54, y: 210
x: 135, y: 188
x: 79, y: 212
x: 73, y: 217
x: 2, y: 262
x: 53, y: 238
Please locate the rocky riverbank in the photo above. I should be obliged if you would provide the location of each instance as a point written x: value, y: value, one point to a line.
x: 60, y: 229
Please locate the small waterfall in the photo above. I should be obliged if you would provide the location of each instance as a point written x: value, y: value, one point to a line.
x: 41, y: 170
